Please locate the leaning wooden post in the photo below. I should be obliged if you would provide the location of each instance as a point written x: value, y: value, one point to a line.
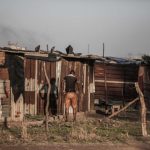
x: 143, y: 110
x: 24, y: 133
x: 48, y: 96
x: 124, y: 108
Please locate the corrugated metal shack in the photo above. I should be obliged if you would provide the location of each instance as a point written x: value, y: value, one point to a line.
x: 22, y: 76
x: 114, y: 80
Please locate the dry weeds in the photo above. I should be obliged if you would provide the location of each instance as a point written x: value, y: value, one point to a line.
x: 86, y: 131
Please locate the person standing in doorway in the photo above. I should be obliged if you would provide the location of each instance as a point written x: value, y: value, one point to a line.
x: 70, y: 82
x: 53, y: 96
x: 43, y: 89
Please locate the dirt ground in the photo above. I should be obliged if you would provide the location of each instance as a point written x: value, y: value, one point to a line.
x: 106, y: 146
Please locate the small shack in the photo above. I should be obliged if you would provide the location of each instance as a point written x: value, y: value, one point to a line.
x: 103, y: 79
x: 114, y: 80
x: 22, y: 76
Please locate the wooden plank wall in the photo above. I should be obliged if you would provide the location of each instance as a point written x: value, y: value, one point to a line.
x: 115, y: 81
x: 34, y: 80
x: 147, y: 85
x: 29, y: 95
x: 85, y: 78
x: 91, y: 85
x: 83, y: 75
x: 2, y: 58
x: 4, y: 88
x: 81, y: 71
x: 4, y: 99
x: 15, y: 64
x: 51, y: 71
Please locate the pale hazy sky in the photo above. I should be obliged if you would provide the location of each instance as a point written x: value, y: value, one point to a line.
x: 123, y: 25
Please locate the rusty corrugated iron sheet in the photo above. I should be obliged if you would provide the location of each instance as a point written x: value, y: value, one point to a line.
x: 146, y: 84
x: 4, y: 87
x: 85, y: 79
x: 34, y: 80
x: 51, y: 71
x: 115, y: 81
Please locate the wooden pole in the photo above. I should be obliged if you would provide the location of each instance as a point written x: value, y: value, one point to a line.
x: 36, y: 86
x: 143, y: 110
x: 103, y: 50
x: 47, y: 47
x: 106, y: 92
x: 24, y: 133
x: 88, y: 49
x: 48, y: 97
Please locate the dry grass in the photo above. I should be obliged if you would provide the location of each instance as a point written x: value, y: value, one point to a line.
x: 86, y: 131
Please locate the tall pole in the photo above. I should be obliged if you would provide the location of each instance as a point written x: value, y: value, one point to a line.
x: 105, y: 83
x: 47, y: 47
x: 103, y: 50
x: 88, y: 48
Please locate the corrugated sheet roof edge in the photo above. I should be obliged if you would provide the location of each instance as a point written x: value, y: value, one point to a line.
x: 117, y: 60
x: 34, y: 55
x: 43, y: 54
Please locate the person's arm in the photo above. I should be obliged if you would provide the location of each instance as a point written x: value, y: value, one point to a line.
x: 42, y: 91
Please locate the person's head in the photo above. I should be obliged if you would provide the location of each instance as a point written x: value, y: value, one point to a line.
x: 53, y: 80
x: 72, y: 72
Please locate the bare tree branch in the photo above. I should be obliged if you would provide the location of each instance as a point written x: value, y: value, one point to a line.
x: 48, y: 97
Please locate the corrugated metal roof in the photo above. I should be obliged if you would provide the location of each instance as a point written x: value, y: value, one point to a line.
x: 45, y: 55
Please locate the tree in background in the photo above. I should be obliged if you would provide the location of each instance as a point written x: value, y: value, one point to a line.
x: 146, y: 59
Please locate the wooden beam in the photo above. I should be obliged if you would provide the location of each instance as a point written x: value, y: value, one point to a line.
x: 117, y: 112
x: 107, y: 81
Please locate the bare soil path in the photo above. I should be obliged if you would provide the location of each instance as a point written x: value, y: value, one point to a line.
x: 133, y: 146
